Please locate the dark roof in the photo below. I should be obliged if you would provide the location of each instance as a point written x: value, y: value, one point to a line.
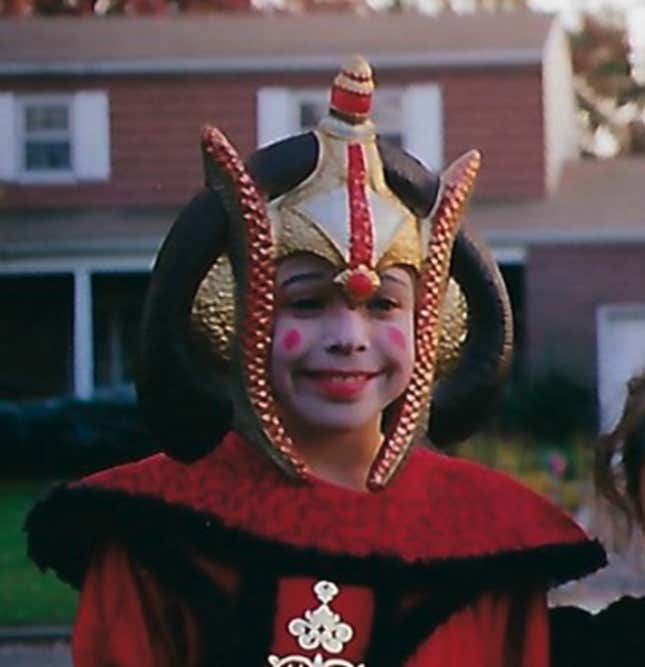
x: 261, y: 41
x: 48, y: 232
x: 596, y: 201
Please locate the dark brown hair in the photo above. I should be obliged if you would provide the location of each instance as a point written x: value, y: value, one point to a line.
x: 619, y: 480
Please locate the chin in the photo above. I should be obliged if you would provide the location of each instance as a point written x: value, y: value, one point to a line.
x: 336, y: 416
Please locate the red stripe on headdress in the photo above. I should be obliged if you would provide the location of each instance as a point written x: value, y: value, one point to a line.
x: 361, y: 243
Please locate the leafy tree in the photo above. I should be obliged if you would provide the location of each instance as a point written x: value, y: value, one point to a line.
x: 103, y: 7
x: 609, y: 98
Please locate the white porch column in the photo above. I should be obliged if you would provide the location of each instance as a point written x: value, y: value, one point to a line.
x: 83, y: 334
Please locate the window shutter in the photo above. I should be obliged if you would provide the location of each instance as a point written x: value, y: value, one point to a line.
x: 91, y: 123
x: 277, y: 114
x: 423, y: 124
x: 7, y: 138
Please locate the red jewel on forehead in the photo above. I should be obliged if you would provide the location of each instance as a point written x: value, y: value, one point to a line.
x: 359, y: 283
x: 359, y: 286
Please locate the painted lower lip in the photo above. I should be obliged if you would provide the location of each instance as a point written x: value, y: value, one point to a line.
x: 340, y: 389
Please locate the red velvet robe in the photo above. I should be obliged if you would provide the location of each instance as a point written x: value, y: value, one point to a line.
x: 221, y: 563
x: 121, y: 622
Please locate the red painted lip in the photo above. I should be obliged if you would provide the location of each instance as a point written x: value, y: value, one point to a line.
x: 340, y: 385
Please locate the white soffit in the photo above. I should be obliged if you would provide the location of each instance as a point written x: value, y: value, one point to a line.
x: 508, y: 254
x: 281, y: 63
x: 555, y: 237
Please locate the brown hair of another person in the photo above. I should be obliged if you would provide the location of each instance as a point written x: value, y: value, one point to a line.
x: 620, y: 481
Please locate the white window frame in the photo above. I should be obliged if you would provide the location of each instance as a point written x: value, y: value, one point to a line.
x: 82, y: 271
x: 320, y: 96
x: 301, y: 96
x: 25, y: 175
x: 89, y: 116
x: 421, y: 117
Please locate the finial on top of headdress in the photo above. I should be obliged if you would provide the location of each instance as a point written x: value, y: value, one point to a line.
x: 351, y: 93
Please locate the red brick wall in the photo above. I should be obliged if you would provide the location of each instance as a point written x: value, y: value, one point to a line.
x: 500, y: 113
x: 155, y: 125
x: 564, y: 286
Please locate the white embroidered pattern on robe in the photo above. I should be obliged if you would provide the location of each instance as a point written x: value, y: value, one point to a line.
x: 318, y: 628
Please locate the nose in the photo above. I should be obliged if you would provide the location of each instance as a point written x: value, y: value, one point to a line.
x: 347, y: 331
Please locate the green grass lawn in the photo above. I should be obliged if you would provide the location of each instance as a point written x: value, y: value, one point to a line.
x: 528, y: 461
x: 26, y: 595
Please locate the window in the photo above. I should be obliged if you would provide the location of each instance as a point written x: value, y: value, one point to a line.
x: 117, y: 301
x: 386, y: 112
x: 44, y: 136
x: 54, y: 138
x: 409, y: 116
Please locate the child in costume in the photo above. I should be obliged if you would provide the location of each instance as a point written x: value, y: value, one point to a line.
x: 616, y: 634
x: 298, y: 315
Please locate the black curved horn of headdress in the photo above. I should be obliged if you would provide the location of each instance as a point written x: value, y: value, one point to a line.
x: 464, y: 399
x: 187, y: 405
x: 185, y: 408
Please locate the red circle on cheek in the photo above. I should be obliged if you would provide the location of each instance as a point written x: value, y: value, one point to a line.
x: 291, y: 340
x: 397, y: 338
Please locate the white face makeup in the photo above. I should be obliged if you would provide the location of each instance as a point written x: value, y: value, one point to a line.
x: 334, y: 366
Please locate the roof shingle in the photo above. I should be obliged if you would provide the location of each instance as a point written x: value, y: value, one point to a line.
x: 235, y: 42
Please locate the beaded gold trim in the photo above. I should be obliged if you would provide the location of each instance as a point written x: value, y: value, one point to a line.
x: 459, y: 180
x: 257, y: 311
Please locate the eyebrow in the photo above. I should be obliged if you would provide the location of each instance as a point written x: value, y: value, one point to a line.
x: 394, y: 279
x: 319, y: 275
x: 303, y: 277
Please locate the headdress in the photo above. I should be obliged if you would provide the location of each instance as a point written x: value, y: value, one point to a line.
x: 343, y: 194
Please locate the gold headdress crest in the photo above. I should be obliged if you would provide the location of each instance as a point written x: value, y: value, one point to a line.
x: 341, y: 194
x: 345, y: 212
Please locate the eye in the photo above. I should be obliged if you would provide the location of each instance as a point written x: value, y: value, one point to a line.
x: 307, y: 304
x: 383, y: 304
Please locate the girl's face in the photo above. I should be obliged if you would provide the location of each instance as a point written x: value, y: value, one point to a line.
x: 335, y: 366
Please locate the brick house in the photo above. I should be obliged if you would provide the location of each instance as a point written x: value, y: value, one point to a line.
x: 99, y: 127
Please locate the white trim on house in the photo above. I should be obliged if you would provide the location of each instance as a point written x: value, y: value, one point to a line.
x: 559, y: 112
x: 620, y: 331
x: 277, y: 116
x: 91, y: 147
x: 551, y: 237
x: 88, y: 134
x: 83, y: 335
x: 88, y: 250
x: 509, y: 254
x: 7, y: 154
x: 282, y: 63
x: 420, y: 116
x: 70, y: 264
x: 422, y: 123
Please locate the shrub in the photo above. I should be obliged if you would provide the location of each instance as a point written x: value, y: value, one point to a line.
x: 553, y: 407
x: 67, y: 436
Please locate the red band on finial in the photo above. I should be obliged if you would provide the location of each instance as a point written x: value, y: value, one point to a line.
x: 351, y: 94
x: 346, y: 102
